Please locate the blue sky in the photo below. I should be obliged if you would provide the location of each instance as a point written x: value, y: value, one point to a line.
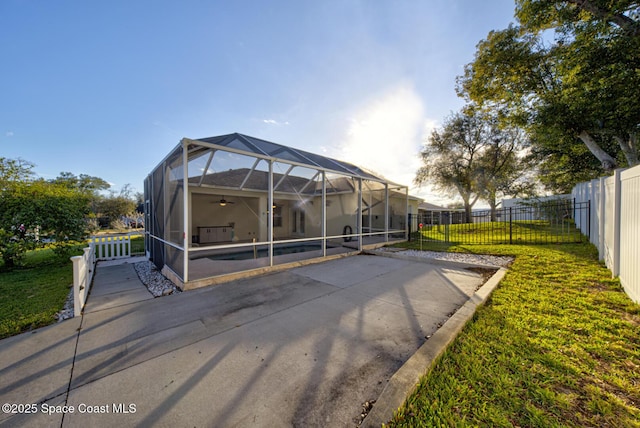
x: 107, y: 88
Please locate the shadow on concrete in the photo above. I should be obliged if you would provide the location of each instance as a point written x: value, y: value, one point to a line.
x: 305, y: 347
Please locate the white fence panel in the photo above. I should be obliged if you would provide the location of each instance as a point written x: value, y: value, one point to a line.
x: 596, y: 217
x: 582, y: 193
x: 615, y: 224
x: 630, y: 232
x: 110, y: 247
x: 611, y: 232
x: 83, y: 269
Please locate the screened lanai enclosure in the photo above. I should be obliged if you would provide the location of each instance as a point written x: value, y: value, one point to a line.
x: 232, y: 203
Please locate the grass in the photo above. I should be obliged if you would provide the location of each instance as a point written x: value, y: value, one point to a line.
x: 557, y: 344
x: 502, y: 232
x: 32, y: 294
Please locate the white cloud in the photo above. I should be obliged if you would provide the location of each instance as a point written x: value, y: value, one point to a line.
x: 9, y: 134
x: 274, y: 122
x: 386, y: 134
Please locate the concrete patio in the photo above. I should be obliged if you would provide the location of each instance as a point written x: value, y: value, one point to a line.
x: 303, y: 347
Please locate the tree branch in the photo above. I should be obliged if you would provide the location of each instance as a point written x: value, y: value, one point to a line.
x: 629, y: 149
x: 622, y: 21
x: 608, y: 162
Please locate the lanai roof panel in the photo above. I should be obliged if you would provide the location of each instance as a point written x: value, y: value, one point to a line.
x: 267, y: 148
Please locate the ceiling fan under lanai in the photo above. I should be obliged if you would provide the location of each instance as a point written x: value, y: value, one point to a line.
x: 224, y: 202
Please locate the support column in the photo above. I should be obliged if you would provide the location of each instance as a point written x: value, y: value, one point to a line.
x: 323, y: 213
x: 359, y: 219
x: 270, y: 211
x: 406, y: 214
x: 386, y: 212
x: 186, y: 233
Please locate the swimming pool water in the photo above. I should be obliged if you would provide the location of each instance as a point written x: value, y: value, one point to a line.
x: 264, y: 252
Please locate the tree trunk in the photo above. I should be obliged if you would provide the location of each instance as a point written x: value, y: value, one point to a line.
x: 492, y: 205
x: 608, y: 162
x: 468, y: 205
x: 629, y: 148
x: 467, y: 213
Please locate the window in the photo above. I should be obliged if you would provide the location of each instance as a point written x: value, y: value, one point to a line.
x: 277, y: 216
x: 297, y: 223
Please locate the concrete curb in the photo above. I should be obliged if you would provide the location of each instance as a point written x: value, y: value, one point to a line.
x: 404, y: 381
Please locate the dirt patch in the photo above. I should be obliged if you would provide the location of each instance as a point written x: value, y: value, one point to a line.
x: 486, y: 273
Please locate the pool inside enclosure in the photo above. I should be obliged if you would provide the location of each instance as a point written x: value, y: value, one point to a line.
x: 232, y: 203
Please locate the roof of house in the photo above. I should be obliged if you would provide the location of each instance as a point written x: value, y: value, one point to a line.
x: 426, y: 206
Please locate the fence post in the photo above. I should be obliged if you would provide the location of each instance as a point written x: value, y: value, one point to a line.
x: 77, y: 305
x: 510, y: 225
x: 89, y: 266
x: 616, y: 221
x: 589, y: 220
x: 601, y: 215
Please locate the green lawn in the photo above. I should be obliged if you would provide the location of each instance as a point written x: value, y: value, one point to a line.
x: 501, y: 232
x: 557, y: 344
x: 34, y: 293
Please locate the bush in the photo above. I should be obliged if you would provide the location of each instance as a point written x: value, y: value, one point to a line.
x: 64, y: 250
x: 13, y: 247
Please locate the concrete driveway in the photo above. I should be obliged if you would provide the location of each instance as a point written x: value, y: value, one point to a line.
x: 303, y: 347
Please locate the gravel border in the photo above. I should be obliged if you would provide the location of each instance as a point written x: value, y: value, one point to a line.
x: 157, y: 284
x: 484, y: 259
x: 67, y: 311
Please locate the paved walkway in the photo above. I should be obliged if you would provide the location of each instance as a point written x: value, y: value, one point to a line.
x: 304, y: 347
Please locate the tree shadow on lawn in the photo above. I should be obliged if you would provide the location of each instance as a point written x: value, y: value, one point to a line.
x: 506, y: 370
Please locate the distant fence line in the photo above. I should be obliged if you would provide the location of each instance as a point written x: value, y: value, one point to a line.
x: 530, y: 222
x: 614, y: 223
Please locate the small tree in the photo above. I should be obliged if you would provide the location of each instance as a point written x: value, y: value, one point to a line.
x: 450, y: 158
x: 117, y: 205
x: 476, y: 157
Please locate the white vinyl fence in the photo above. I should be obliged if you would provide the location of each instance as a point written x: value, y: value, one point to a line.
x: 109, y: 247
x: 614, y: 224
x: 102, y: 247
x: 83, y: 268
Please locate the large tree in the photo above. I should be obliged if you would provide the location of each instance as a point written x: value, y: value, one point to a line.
x: 505, y: 167
x: 569, y: 73
x: 82, y: 182
x: 475, y: 158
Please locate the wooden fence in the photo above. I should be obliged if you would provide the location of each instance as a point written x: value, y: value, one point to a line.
x: 614, y: 224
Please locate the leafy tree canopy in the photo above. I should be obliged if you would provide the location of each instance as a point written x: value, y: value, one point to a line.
x: 568, y: 73
x: 33, y: 208
x: 476, y: 157
x: 14, y: 171
x: 82, y: 182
